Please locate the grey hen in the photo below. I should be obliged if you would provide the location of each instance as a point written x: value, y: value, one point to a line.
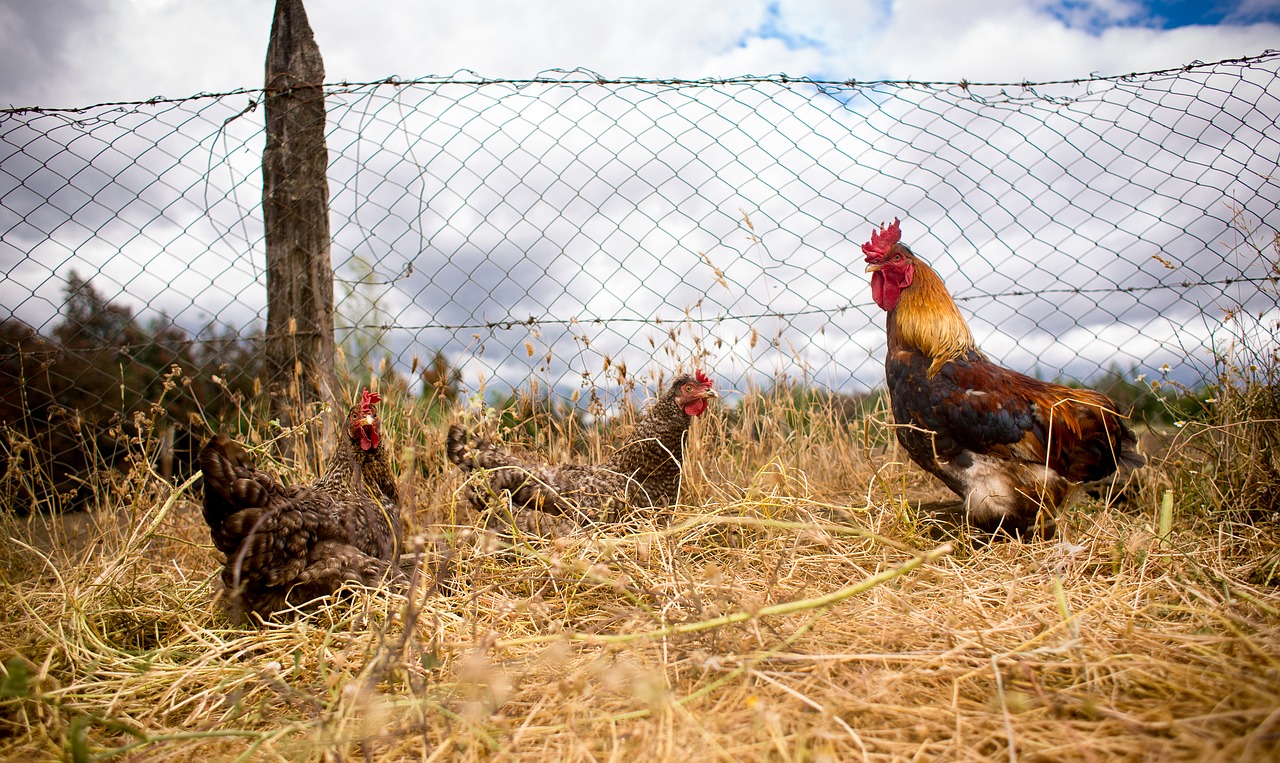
x: 558, y: 498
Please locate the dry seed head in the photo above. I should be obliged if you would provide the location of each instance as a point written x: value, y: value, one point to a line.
x: 556, y: 655
x: 650, y: 687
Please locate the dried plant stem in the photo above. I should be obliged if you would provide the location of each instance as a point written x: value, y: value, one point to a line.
x: 773, y: 610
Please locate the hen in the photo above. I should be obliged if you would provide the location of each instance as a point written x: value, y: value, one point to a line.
x: 1007, y: 444
x: 558, y: 499
x: 286, y: 545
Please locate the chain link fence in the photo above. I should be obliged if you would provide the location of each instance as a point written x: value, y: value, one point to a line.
x: 571, y: 229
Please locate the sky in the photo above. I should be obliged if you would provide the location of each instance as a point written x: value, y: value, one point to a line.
x: 573, y: 206
x: 78, y: 52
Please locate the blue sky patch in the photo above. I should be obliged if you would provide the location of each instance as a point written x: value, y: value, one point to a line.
x: 1168, y: 14
x: 772, y: 28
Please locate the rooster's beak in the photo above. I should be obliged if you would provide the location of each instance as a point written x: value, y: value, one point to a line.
x: 873, y: 267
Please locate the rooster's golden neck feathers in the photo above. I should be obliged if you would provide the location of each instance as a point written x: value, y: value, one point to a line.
x: 926, y: 319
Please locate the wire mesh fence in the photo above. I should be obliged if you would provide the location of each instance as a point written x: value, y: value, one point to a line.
x: 581, y: 231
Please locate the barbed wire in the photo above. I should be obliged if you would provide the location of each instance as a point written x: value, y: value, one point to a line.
x: 474, y: 79
x: 534, y: 321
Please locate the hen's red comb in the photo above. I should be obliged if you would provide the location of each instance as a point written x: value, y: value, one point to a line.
x: 703, y: 379
x: 367, y: 401
x: 882, y: 241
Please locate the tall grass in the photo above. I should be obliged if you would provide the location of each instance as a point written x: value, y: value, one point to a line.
x: 791, y: 608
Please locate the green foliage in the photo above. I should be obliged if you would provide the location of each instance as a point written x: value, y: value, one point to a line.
x: 1230, y: 433
x: 1157, y: 403
x: 69, y: 402
x: 535, y: 414
x: 17, y: 678
x: 1142, y: 400
x: 1233, y: 445
x: 364, y: 321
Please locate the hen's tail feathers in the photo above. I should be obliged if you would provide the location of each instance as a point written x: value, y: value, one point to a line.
x: 1129, y: 455
x: 231, y: 474
x: 526, y: 483
x: 231, y: 484
x: 471, y: 451
x: 533, y: 522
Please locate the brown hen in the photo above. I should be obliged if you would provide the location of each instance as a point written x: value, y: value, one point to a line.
x: 287, y: 545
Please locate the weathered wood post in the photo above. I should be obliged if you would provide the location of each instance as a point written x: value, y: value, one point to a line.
x: 295, y: 205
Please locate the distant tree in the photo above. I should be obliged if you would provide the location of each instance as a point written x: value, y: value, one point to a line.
x: 27, y: 405
x: 228, y: 382
x: 68, y: 402
x: 96, y: 338
x: 91, y: 321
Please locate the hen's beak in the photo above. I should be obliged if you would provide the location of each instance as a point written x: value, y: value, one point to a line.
x: 710, y: 393
x: 367, y: 421
x: 873, y: 267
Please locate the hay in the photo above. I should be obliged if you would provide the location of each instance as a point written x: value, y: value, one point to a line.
x: 795, y: 609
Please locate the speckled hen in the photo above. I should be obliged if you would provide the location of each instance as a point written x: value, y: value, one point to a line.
x: 287, y: 545
x: 554, y: 499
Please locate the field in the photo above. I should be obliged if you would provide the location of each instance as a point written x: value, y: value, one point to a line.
x: 797, y: 607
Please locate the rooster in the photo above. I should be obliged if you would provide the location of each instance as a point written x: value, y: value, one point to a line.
x: 559, y: 499
x: 1007, y: 444
x: 286, y: 545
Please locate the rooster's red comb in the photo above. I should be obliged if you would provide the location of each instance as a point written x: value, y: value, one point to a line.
x: 703, y: 379
x: 882, y: 241
x: 367, y: 401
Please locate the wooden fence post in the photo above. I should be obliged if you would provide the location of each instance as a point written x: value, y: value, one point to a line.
x: 295, y: 202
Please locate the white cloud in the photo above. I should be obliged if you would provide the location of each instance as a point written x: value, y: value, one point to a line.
x: 1014, y: 41
x: 135, y: 49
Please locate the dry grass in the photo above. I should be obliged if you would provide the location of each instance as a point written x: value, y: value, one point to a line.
x: 795, y: 609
